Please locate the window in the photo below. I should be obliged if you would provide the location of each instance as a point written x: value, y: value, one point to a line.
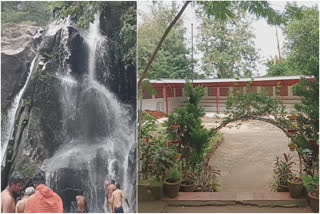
x: 212, y: 91
x: 267, y: 90
x: 159, y: 92
x: 223, y: 91
x: 251, y: 90
x: 178, y: 92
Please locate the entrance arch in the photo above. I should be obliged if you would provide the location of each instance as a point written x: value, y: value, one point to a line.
x: 246, y: 156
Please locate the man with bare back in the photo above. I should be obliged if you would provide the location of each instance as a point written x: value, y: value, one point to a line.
x: 106, y: 184
x: 81, y: 202
x: 22, y: 203
x: 111, y: 187
x: 8, y: 203
x: 116, y: 200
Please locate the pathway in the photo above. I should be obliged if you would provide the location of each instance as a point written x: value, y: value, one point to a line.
x: 247, y: 154
x: 162, y: 207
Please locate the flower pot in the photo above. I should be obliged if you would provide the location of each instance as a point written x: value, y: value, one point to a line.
x: 314, y: 201
x: 187, y: 187
x: 174, y: 127
x: 292, y: 147
x: 292, y: 117
x: 292, y: 132
x: 177, y: 156
x: 282, y: 188
x: 171, y: 189
x: 295, y: 187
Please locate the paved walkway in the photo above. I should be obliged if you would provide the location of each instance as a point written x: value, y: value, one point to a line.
x: 247, y: 154
x: 235, y: 209
x: 161, y: 207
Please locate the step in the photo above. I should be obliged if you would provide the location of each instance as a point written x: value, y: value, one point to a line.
x: 261, y: 199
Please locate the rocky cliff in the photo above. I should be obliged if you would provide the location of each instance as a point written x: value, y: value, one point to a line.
x: 42, y: 125
x: 17, y: 51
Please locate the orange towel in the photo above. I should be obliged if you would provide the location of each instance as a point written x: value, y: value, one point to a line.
x: 44, y: 200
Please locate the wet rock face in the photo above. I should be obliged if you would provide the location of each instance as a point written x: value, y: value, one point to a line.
x: 120, y: 82
x: 17, y: 52
x: 69, y: 182
x: 79, y: 52
x: 39, y: 129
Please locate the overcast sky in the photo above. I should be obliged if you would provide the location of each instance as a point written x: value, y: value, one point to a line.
x: 265, y: 41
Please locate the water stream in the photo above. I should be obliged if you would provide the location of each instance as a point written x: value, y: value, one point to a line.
x: 7, y: 130
x: 99, y: 135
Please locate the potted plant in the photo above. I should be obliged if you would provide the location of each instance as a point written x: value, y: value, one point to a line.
x: 205, y: 176
x: 295, y: 185
x: 282, y: 172
x: 187, y: 183
x: 292, y: 117
x: 312, y: 185
x: 172, y: 183
x: 292, y: 131
x: 174, y: 127
x: 292, y: 146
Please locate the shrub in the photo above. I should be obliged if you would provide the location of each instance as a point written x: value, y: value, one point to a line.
x: 283, y: 169
x: 174, y: 175
x: 194, y: 137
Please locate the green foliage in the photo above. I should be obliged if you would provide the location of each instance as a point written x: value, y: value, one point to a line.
x: 301, y: 30
x: 82, y: 12
x: 223, y: 10
x: 18, y: 12
x: 218, y: 137
x: 311, y: 183
x: 51, y: 56
x: 194, y: 137
x: 174, y: 175
x: 257, y: 106
x: 148, y: 125
x: 227, y: 45
x: 156, y: 156
x: 205, y: 176
x: 308, y: 109
x: 253, y: 104
x: 128, y: 37
x: 283, y: 68
x: 27, y: 102
x: 171, y: 61
x: 283, y: 169
x: 162, y: 159
x: 303, y: 41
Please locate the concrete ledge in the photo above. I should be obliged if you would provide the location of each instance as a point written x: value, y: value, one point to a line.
x: 260, y: 199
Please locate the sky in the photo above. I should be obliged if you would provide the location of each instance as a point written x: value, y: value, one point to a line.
x: 265, y: 41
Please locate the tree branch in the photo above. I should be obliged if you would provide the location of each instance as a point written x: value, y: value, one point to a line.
x: 160, y: 43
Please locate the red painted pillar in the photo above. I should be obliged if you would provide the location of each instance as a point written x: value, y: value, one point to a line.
x: 217, y: 99
x: 167, y: 104
x: 282, y: 90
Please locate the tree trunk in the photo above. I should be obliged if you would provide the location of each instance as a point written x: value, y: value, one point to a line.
x: 160, y: 43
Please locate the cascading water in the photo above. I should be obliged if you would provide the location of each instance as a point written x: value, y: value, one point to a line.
x: 99, y: 137
x: 7, y: 130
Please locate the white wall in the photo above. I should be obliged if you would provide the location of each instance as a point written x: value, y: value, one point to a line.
x: 209, y: 102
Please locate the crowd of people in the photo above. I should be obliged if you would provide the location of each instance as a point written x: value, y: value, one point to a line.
x: 41, y: 199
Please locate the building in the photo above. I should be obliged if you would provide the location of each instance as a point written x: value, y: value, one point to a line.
x: 170, y: 92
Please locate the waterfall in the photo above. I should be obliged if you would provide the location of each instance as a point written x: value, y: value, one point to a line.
x: 98, y: 133
x: 7, y: 130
